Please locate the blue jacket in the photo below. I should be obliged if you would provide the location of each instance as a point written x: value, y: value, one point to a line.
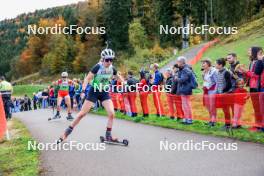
x: 79, y: 90
x: 71, y: 90
x: 158, y: 78
x: 184, y: 86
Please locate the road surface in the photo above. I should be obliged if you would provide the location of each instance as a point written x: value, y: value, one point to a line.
x: 143, y: 156
x: 189, y: 54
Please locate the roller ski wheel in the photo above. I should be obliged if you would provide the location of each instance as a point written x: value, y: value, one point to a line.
x: 125, y: 142
x: 114, y: 141
x: 60, y: 140
x: 55, y: 117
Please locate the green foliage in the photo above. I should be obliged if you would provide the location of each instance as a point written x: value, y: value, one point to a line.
x: 137, y: 36
x: 117, y: 16
x: 145, y: 57
x: 167, y: 15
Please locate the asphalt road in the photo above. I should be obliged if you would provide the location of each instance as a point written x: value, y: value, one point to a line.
x: 143, y: 156
x: 189, y: 54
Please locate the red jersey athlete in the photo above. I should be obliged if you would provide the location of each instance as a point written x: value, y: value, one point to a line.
x: 63, y: 93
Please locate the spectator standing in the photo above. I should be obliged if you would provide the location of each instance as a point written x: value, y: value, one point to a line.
x: 78, y: 91
x: 254, y: 85
x: 26, y: 103
x: 168, y: 89
x: 35, y: 101
x: 72, y: 93
x: 184, y: 88
x: 177, y: 98
x: 156, y: 82
x: 143, y: 93
x: 240, y: 98
x: 223, y: 88
x: 39, y: 95
x: 132, y: 93
x: 209, y: 76
x: 45, y: 96
x: 51, y: 96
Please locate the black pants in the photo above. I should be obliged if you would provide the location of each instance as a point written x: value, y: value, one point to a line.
x: 7, y: 105
x: 35, y: 105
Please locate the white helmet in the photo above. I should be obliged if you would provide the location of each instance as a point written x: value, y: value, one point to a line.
x: 64, y: 74
x: 108, y: 53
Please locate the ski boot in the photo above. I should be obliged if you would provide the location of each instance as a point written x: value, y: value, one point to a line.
x: 67, y: 132
x: 57, y: 116
x: 69, y: 117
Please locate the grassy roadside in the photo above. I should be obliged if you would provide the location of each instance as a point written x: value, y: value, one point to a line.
x: 15, y: 159
x: 197, y: 127
x: 21, y: 90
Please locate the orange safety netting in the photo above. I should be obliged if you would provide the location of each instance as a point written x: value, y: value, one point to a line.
x: 239, y: 109
x: 202, y: 51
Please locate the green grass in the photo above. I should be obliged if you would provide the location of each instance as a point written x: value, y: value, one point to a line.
x: 198, y: 127
x: 15, y: 158
x: 21, y: 90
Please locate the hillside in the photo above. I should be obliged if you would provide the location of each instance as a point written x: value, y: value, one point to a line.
x: 13, y: 37
x: 250, y: 34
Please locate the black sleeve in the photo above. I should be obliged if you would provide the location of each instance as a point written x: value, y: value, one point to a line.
x: 95, y: 69
x: 259, y: 67
x: 114, y: 71
x: 228, y: 82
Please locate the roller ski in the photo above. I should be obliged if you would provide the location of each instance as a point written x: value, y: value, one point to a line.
x: 57, y: 116
x: 67, y: 132
x: 108, y: 139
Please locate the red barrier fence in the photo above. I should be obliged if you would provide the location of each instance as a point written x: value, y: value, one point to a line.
x: 238, y: 109
x: 202, y: 51
x: 2, y: 119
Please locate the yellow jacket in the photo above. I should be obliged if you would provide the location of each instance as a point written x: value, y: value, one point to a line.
x: 6, y: 86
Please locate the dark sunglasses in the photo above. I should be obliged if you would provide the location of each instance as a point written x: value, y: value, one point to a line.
x: 108, y: 60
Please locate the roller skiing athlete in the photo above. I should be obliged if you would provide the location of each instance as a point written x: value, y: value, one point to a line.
x: 63, y: 93
x: 98, y: 78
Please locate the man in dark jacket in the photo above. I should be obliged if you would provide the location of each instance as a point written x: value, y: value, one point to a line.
x: 233, y: 62
x: 176, y: 98
x: 223, y: 87
x: 184, y: 88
